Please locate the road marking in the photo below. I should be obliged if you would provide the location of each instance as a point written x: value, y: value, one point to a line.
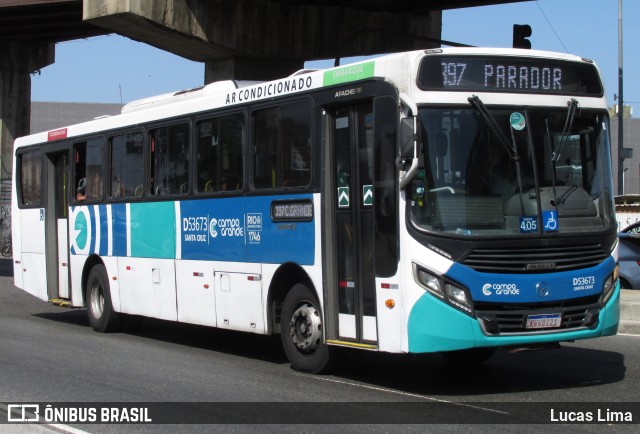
x: 398, y: 392
x: 67, y: 428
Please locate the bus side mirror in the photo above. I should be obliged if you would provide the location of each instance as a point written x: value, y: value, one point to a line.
x: 408, y: 142
x: 408, y: 137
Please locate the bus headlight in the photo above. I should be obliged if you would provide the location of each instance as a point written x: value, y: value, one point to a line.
x: 458, y: 297
x: 428, y: 281
x: 609, y: 285
x: 448, y: 291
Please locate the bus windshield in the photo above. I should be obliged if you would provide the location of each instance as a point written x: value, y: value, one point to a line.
x: 511, y: 171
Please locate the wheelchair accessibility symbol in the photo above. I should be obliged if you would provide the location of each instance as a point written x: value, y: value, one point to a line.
x: 550, y: 221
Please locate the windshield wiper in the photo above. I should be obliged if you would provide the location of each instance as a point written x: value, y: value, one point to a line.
x: 493, y: 126
x: 557, y: 152
x: 568, y: 124
x: 511, y: 148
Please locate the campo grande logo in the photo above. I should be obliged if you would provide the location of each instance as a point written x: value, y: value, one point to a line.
x: 500, y: 289
x: 213, y: 227
x: 226, y: 227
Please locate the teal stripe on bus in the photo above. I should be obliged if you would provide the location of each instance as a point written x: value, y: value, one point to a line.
x: 153, y: 230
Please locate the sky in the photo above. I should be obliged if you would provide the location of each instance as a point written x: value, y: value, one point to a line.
x: 115, y: 69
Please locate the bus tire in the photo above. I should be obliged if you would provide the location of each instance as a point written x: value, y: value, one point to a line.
x: 301, y: 331
x: 469, y: 357
x: 102, y: 317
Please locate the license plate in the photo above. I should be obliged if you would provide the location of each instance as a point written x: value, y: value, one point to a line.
x: 544, y: 321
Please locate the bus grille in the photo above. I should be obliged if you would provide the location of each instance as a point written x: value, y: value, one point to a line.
x: 503, y: 319
x: 535, y: 259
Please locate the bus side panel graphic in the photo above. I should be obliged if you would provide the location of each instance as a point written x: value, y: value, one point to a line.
x: 291, y: 238
x: 152, y: 229
x: 89, y: 230
x: 234, y: 229
x: 241, y: 229
x: 213, y: 229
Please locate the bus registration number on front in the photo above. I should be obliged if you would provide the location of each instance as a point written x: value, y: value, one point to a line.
x: 544, y: 321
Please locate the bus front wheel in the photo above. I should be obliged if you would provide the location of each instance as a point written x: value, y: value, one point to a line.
x: 301, y: 331
x: 102, y: 317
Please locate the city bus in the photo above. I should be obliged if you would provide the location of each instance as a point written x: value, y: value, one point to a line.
x: 451, y: 200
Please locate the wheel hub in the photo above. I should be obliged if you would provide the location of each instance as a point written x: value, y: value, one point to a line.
x: 96, y: 304
x: 306, y: 328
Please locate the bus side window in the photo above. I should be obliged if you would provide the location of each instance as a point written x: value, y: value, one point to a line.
x: 80, y: 154
x: 169, y: 149
x: 296, y: 145
x: 265, y: 133
x: 282, y: 147
x: 89, y: 161
x: 232, y: 146
x: 126, y: 165
x: 30, y: 178
x: 219, y: 162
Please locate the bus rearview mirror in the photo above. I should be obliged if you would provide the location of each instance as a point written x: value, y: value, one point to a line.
x: 408, y: 137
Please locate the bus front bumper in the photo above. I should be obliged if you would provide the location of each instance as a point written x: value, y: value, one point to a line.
x: 434, y: 326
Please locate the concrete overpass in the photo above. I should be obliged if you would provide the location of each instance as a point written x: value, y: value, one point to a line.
x: 241, y: 39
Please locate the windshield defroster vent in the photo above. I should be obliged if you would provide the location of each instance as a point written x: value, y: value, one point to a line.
x: 535, y: 259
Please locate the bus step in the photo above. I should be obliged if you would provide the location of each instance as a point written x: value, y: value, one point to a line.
x: 60, y: 302
x: 352, y: 344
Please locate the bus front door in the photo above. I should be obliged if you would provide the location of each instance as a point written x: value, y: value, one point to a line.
x: 353, y: 279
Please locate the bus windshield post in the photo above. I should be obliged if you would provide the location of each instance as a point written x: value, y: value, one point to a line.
x: 408, y: 143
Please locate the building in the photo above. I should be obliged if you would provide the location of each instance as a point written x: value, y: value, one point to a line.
x: 48, y: 116
x: 51, y: 115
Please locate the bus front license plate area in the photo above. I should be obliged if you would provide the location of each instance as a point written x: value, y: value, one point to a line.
x: 546, y: 321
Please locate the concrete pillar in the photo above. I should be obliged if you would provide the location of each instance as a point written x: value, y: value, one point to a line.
x: 17, y: 62
x: 245, y: 68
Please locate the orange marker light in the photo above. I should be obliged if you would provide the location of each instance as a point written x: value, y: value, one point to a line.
x: 390, y: 303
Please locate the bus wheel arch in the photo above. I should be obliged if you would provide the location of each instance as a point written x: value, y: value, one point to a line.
x: 91, y: 262
x: 287, y: 275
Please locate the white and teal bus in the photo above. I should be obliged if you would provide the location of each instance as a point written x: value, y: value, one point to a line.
x: 448, y: 200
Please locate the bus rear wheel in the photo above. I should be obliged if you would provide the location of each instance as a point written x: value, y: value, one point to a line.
x: 301, y: 331
x: 102, y: 317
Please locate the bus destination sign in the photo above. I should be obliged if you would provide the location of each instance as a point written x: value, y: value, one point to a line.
x: 292, y: 211
x: 509, y: 74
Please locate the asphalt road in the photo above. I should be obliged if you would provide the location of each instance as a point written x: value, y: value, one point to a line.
x: 50, y: 354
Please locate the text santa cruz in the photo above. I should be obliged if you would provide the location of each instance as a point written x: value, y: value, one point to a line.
x: 269, y: 89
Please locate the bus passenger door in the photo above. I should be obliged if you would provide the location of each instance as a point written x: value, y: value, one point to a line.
x: 351, y: 134
x: 56, y: 225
